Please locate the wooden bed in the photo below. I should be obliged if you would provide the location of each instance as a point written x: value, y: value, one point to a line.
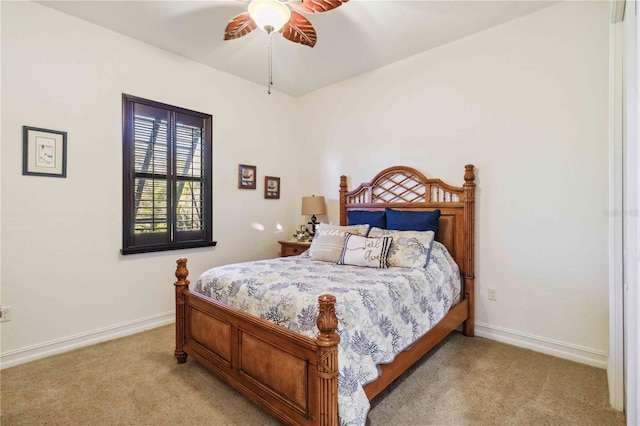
x: 251, y: 354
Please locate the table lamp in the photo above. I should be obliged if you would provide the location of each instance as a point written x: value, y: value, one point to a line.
x: 312, y: 206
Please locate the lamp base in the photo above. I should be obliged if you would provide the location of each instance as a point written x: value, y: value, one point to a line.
x: 313, y: 223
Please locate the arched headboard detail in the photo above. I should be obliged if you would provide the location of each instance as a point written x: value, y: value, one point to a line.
x: 401, y: 184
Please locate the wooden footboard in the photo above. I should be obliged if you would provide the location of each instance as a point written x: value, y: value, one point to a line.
x: 292, y: 376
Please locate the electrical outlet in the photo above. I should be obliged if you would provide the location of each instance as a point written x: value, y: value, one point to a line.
x: 493, y: 294
x: 5, y: 311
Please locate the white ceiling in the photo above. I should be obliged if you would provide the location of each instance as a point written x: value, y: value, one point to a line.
x: 355, y: 38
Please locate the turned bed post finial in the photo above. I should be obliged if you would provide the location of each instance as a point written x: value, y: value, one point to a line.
x: 469, y: 174
x: 181, y: 284
x: 327, y: 341
x: 327, y: 321
x: 181, y: 271
x: 469, y: 241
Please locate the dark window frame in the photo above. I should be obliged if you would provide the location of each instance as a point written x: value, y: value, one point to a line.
x: 169, y: 176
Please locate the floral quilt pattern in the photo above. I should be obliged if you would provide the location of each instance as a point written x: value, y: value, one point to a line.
x: 380, y: 311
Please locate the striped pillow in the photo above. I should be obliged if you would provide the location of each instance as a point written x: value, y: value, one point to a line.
x: 363, y: 251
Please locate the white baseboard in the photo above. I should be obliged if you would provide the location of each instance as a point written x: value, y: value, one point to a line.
x: 539, y: 344
x: 542, y: 344
x: 31, y: 353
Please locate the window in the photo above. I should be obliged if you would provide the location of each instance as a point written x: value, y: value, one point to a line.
x: 166, y: 177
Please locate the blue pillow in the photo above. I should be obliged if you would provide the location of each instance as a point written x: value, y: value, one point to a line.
x: 413, y: 221
x: 375, y: 219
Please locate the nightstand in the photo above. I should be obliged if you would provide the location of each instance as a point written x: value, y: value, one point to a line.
x: 293, y: 247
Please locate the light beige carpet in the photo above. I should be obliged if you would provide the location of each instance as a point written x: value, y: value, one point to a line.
x: 464, y: 381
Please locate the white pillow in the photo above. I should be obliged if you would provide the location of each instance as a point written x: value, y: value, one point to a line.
x: 363, y: 251
x: 409, y: 249
x: 328, y: 241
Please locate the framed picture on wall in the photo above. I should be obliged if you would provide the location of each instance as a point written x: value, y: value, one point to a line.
x: 246, y: 177
x: 272, y: 187
x: 44, y: 152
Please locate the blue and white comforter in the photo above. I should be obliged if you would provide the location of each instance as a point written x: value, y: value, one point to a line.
x: 380, y: 311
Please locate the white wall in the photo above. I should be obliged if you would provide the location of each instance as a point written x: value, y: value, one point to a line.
x: 61, y: 268
x: 526, y: 102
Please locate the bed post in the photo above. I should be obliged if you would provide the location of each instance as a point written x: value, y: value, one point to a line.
x: 469, y: 241
x: 181, y: 274
x: 327, y: 342
x: 343, y: 200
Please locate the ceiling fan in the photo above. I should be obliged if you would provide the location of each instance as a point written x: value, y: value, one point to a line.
x: 275, y: 16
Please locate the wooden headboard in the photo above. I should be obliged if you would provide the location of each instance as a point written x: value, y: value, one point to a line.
x: 404, y: 188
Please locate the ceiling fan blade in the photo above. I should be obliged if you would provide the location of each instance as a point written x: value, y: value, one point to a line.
x: 299, y: 30
x: 317, y: 6
x: 239, y: 26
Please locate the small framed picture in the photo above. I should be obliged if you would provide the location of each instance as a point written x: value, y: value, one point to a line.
x: 272, y: 187
x: 44, y: 152
x: 246, y: 177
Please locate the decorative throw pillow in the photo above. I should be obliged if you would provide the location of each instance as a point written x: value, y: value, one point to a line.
x: 413, y: 221
x: 363, y: 251
x: 409, y: 249
x: 328, y: 241
x: 373, y: 218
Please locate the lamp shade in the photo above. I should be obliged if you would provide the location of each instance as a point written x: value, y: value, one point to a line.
x: 269, y: 15
x: 313, y: 205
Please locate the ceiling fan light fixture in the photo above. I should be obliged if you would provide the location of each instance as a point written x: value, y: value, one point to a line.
x: 269, y: 15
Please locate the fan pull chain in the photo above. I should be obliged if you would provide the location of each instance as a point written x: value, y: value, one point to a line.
x: 270, y: 76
